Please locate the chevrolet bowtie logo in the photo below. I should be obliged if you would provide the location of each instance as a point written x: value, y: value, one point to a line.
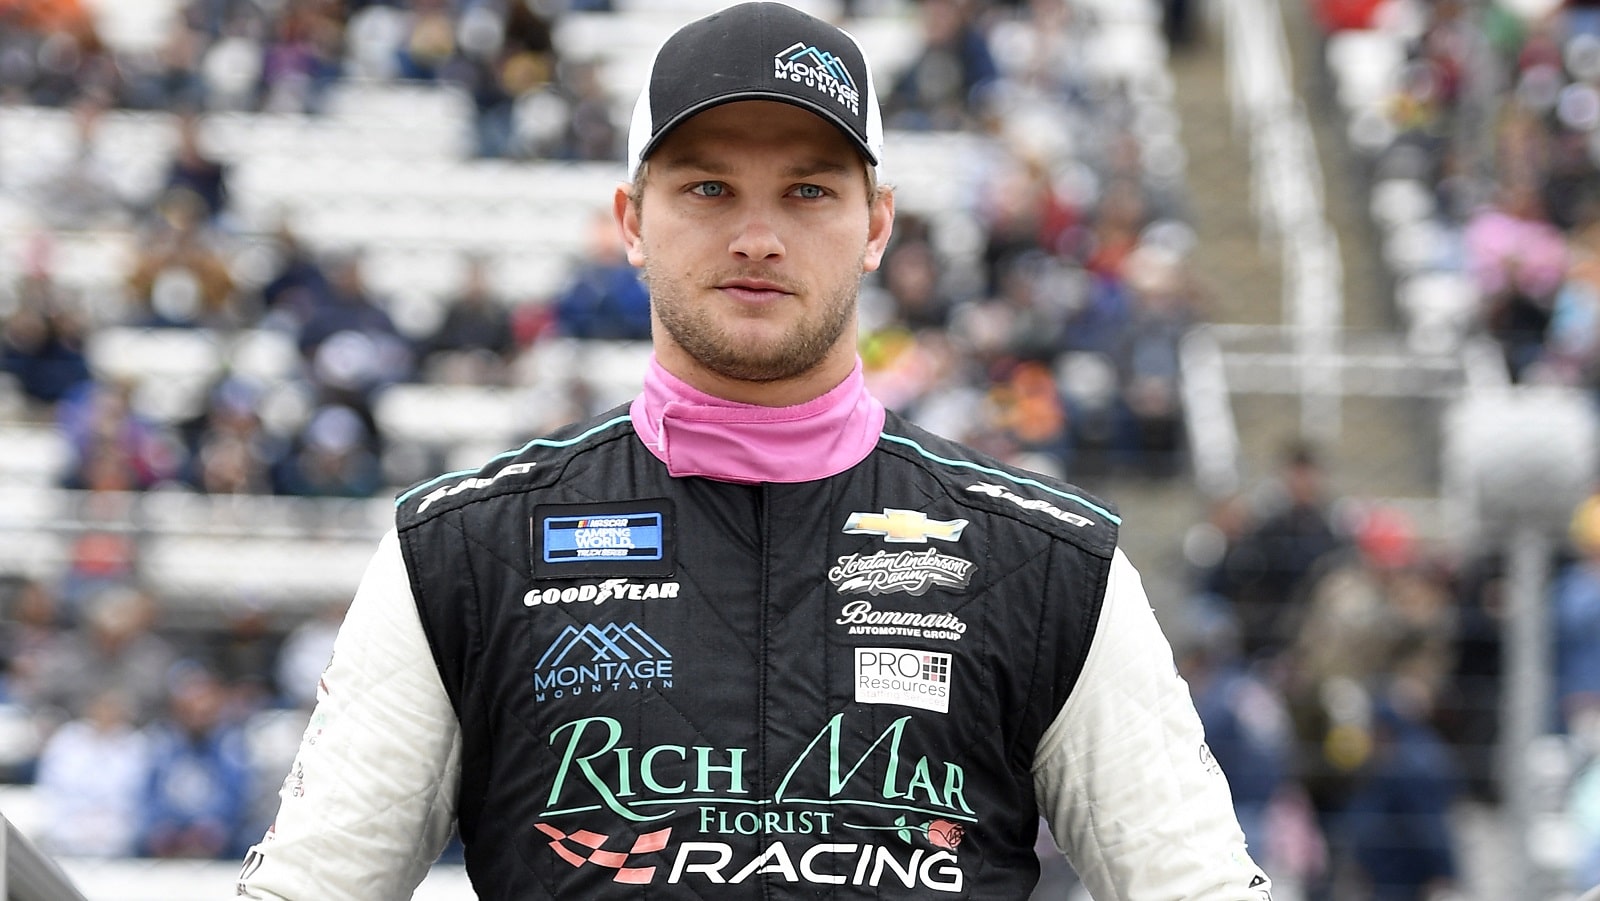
x: 904, y: 526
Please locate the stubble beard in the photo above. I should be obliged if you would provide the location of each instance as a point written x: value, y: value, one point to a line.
x: 694, y: 328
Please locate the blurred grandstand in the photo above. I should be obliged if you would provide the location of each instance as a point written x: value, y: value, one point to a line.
x: 1271, y: 278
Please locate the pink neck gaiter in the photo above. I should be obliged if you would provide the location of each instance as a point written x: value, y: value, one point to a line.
x: 697, y: 434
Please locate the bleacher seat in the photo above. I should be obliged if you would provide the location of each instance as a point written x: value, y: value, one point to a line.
x: 442, y: 415
x: 170, y: 369
x: 36, y: 454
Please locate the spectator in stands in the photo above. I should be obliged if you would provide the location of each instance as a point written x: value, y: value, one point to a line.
x: 335, y: 457
x: 1246, y: 717
x: 34, y: 620
x: 1269, y: 566
x: 303, y: 57
x: 946, y: 86
x: 1023, y: 215
x: 603, y: 297
x: 1029, y: 418
x: 1371, y: 660
x: 476, y: 68
x: 1043, y: 56
x: 1149, y: 370
x: 103, y: 553
x: 298, y: 286
x: 352, y: 344
x: 56, y: 54
x: 1117, y: 226
x: 231, y: 451
x: 1470, y: 712
x: 1518, y: 259
x: 429, y: 42
x: 42, y: 343
x: 592, y: 132
x: 1575, y: 608
x: 195, y: 171
x: 196, y: 801
x: 242, y: 657
x: 180, y: 278
x: 91, y: 780
x: 911, y: 276
x: 117, y: 646
x: 99, y: 421
x: 474, y: 343
x: 1398, y: 820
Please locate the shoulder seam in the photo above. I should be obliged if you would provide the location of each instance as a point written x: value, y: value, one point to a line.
x: 506, y: 455
x: 1110, y: 517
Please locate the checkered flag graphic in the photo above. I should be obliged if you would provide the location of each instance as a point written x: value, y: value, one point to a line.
x: 592, y: 842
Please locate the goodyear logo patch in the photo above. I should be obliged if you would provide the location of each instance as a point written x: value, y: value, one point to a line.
x: 619, y: 539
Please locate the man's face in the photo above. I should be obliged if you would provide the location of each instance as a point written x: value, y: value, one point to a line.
x: 753, y: 232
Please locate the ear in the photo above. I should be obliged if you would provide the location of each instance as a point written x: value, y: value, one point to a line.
x: 627, y: 216
x: 880, y: 225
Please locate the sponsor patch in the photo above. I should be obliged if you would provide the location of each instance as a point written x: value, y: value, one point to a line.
x: 863, y: 619
x: 911, y: 678
x: 598, y: 593
x: 1030, y: 503
x: 858, y: 805
x: 904, y: 526
x: 907, y: 572
x: 620, y: 538
x: 472, y: 484
x: 592, y: 659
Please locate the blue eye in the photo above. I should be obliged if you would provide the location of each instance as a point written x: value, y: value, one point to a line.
x: 710, y: 189
x: 810, y: 192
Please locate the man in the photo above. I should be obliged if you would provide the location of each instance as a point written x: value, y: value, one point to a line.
x: 751, y: 636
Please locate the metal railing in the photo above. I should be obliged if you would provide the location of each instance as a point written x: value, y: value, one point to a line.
x: 27, y: 874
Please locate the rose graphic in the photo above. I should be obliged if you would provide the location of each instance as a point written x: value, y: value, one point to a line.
x: 939, y: 833
x: 944, y: 834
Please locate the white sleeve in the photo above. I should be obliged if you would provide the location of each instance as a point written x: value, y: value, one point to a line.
x: 370, y: 800
x: 1124, y: 777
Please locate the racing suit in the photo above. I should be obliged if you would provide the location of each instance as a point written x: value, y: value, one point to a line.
x: 704, y: 650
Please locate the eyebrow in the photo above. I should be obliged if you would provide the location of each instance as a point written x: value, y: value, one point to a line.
x: 807, y: 169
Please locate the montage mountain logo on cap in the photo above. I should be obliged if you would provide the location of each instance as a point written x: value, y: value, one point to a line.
x: 805, y: 64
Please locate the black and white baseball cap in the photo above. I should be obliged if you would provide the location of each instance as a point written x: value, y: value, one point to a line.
x: 758, y: 51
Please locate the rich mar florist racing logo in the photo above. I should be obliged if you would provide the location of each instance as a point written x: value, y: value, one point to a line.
x: 804, y: 64
x: 589, y: 659
x: 826, y: 816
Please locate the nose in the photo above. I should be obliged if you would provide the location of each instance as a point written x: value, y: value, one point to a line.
x: 755, y: 238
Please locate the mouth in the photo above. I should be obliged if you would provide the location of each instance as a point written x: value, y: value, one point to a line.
x: 753, y: 290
